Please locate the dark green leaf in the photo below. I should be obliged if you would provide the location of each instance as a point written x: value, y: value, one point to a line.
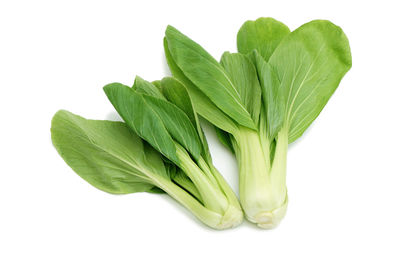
x: 177, y: 94
x: 173, y: 119
x: 177, y: 123
x: 225, y: 139
x: 141, y: 118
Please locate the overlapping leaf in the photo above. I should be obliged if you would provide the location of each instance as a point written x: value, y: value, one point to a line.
x: 203, y: 105
x: 176, y: 93
x: 147, y: 88
x: 273, y: 102
x: 263, y: 35
x: 259, y: 39
x: 225, y: 139
x: 208, y: 75
x: 155, y: 119
x: 183, y: 181
x: 136, y: 112
x: 243, y: 75
x: 309, y: 63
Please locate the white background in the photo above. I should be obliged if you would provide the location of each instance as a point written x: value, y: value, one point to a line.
x: 343, y: 174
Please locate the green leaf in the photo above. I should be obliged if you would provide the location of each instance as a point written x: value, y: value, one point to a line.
x: 263, y: 35
x: 174, y: 115
x: 243, y: 75
x: 208, y: 75
x: 177, y: 123
x: 310, y: 62
x: 273, y: 102
x: 177, y: 94
x: 141, y: 118
x: 170, y: 117
x: 202, y: 104
x: 106, y: 154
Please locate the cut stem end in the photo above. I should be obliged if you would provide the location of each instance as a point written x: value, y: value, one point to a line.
x: 269, y: 219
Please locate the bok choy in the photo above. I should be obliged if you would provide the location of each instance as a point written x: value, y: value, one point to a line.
x: 160, y: 148
x: 262, y: 98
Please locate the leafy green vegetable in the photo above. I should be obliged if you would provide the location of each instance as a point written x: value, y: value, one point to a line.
x: 263, y: 98
x: 160, y: 148
x: 259, y: 100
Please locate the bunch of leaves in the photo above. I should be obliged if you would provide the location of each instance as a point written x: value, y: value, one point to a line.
x: 160, y: 148
x: 262, y: 98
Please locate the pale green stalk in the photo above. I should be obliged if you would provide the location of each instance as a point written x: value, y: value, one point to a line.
x: 214, y: 191
x: 207, y: 216
x: 262, y: 183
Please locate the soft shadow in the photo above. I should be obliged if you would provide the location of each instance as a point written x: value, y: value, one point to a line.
x: 199, y: 224
x: 187, y: 213
x: 228, y: 168
x: 166, y: 71
x: 298, y: 140
x: 253, y: 226
x: 113, y: 116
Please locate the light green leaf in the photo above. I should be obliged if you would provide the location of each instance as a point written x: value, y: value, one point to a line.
x: 202, y: 104
x: 263, y: 35
x: 141, y: 118
x: 157, y: 83
x: 309, y: 63
x: 208, y: 75
x: 106, y: 154
x: 243, y: 75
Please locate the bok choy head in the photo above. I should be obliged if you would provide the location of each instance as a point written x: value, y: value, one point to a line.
x: 159, y: 148
x: 262, y: 98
